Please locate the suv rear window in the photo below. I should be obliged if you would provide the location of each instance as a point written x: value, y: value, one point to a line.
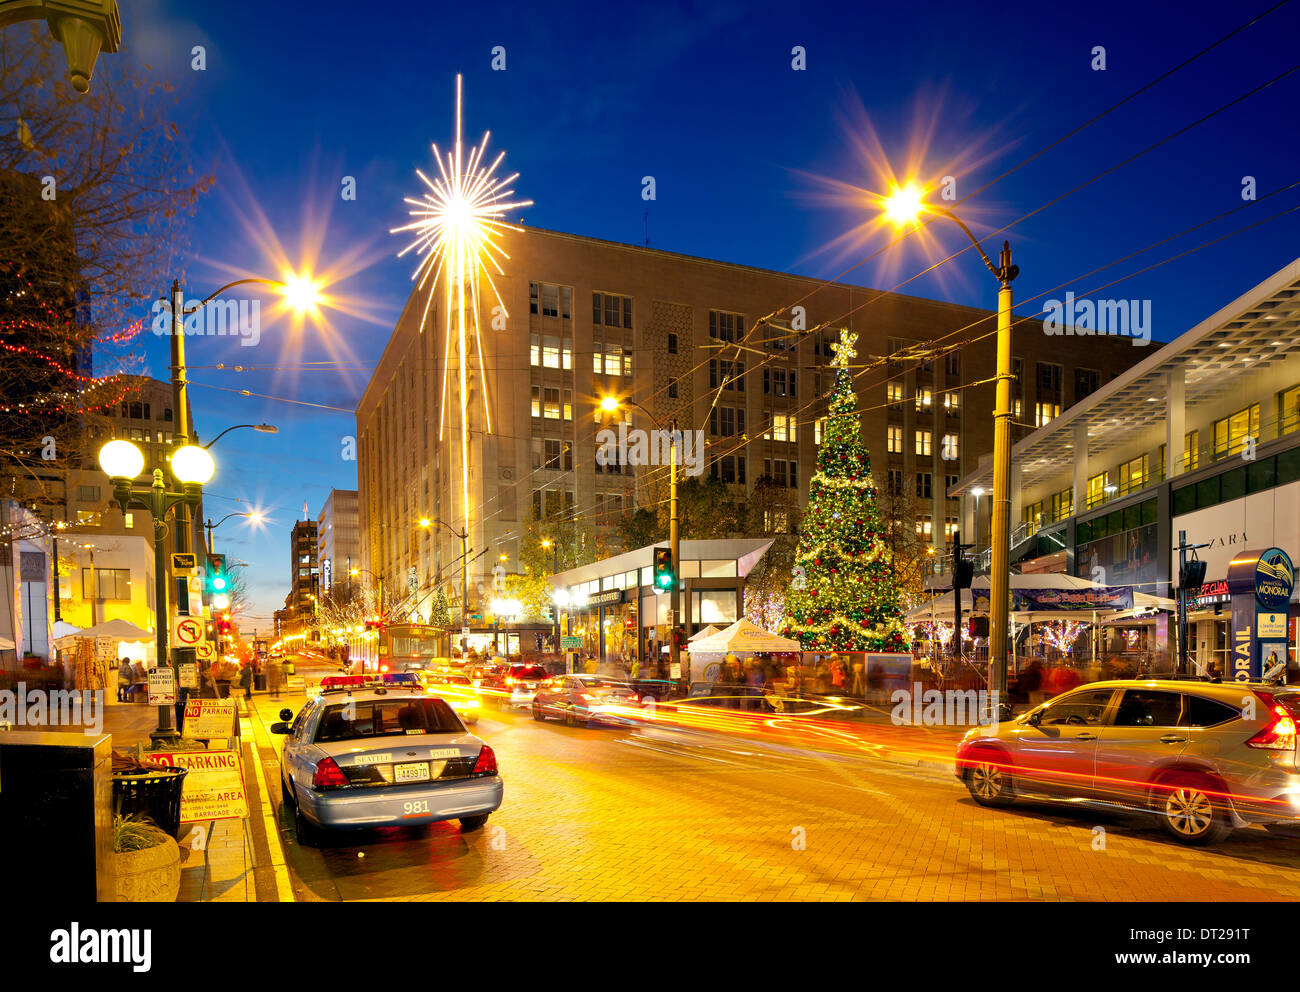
x: 1201, y: 712
x: 386, y: 718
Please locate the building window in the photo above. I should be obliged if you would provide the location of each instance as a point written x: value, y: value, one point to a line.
x: 1231, y: 432
x: 894, y: 395
x: 924, y: 527
x: 781, y: 472
x: 783, y: 427
x: 1288, y: 410
x: 726, y: 421
x: 1097, y: 486
x: 1049, y: 378
x: 952, y: 363
x: 819, y: 430
x: 895, y: 483
x: 923, y: 398
x: 725, y: 326
x: 1191, y: 450
x: 730, y: 469
x: 1133, y: 474
x: 550, y: 301
x: 88, y: 494
x: 952, y: 403
x: 110, y: 583
x: 616, y: 360
x: 1033, y: 516
x: 894, y: 440
x: 1045, y: 413
x: 672, y: 390
x: 537, y: 401
x: 672, y: 344
x: 611, y: 310
x: 949, y: 484
x: 729, y: 375
x: 924, y: 485
x: 1086, y: 382
x: 1062, y: 504
x: 922, y: 442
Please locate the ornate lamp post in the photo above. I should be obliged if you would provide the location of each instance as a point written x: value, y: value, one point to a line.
x: 192, y: 466
x: 83, y: 27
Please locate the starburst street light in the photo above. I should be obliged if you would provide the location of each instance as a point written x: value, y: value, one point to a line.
x: 457, y: 224
x: 903, y: 206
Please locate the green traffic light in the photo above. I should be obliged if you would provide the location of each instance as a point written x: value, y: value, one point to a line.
x: 219, y: 583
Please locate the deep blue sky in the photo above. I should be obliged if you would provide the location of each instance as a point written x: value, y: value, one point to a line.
x: 701, y: 96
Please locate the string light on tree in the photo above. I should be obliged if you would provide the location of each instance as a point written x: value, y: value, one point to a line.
x: 850, y: 601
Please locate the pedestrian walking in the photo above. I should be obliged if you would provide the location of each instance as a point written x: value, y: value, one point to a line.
x: 246, y: 681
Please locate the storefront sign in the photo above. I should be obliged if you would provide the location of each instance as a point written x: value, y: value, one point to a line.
x: 607, y: 598
x: 214, y: 788
x: 1099, y: 598
x: 570, y: 643
x: 209, y: 719
x: 1210, y: 594
x: 162, y: 686
x: 1261, y: 583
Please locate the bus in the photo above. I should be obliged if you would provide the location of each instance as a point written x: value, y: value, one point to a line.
x: 400, y: 647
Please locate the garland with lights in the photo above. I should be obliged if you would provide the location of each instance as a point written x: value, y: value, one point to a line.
x: 845, y: 597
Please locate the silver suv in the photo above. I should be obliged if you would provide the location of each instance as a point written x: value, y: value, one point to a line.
x: 1204, y: 756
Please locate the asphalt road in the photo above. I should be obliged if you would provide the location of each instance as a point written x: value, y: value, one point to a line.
x: 664, y: 814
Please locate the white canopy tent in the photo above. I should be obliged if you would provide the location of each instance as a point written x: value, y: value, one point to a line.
x: 119, y: 630
x: 699, y: 635
x: 743, y: 636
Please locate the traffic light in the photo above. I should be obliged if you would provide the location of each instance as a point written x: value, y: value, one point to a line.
x: 664, y: 577
x: 218, y: 583
x: 1192, y: 574
x: 979, y: 627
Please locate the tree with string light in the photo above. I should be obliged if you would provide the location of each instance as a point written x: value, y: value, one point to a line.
x: 843, y: 596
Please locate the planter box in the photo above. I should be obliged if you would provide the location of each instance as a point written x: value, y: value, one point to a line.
x: 151, y: 875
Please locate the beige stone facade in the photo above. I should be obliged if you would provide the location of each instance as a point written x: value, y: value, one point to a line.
x: 587, y: 318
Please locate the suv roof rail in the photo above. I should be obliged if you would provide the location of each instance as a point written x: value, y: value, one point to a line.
x: 1195, y: 678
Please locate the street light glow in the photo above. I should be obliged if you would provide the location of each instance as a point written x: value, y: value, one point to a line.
x: 192, y: 465
x: 609, y: 404
x: 904, y: 204
x: 301, y: 293
x: 121, y: 460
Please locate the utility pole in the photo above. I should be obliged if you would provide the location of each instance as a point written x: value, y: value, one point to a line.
x: 675, y: 552
x: 1191, y: 575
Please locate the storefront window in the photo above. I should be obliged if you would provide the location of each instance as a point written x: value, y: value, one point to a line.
x: 714, y: 606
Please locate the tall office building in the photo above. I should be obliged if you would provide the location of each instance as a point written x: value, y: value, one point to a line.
x: 682, y: 336
x: 338, y: 540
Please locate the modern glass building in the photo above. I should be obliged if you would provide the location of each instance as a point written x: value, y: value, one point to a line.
x: 1200, y: 438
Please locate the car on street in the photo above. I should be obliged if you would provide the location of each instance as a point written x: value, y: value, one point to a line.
x: 1203, y: 756
x: 383, y: 756
x: 515, y: 685
x: 580, y: 700
x: 457, y: 690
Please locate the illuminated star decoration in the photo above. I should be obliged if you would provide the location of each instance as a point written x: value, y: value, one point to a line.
x: 457, y: 225
x: 843, y: 348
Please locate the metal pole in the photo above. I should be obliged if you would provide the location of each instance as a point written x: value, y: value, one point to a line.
x: 999, y: 567
x: 58, y: 614
x: 162, y: 614
x: 555, y: 611
x: 675, y: 554
x: 1180, y: 659
x: 464, y: 588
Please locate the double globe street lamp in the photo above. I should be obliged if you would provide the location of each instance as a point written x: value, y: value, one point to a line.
x: 191, y: 466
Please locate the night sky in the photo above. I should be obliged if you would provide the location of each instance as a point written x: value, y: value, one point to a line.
x: 746, y: 152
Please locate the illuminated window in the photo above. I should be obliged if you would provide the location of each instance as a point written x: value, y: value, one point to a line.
x: 1097, y: 489
x: 1191, y: 450
x: 894, y: 440
x: 922, y: 442
x: 923, y: 398
x: 1044, y: 413
x: 1133, y: 474
x: 1062, y: 504
x: 537, y: 401
x: 1288, y: 410
x: 894, y: 392
x: 1231, y: 432
x: 783, y: 428
x: 952, y: 403
x: 1033, y: 516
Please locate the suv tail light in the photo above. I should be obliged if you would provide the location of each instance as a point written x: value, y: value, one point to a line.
x: 1280, y: 734
x: 328, y: 775
x: 487, y: 762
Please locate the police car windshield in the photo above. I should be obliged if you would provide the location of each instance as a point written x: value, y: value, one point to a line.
x: 369, y: 718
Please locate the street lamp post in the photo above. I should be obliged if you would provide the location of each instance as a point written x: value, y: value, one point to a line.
x: 901, y: 207
x: 254, y: 516
x: 192, y: 466
x: 610, y: 404
x: 463, y: 534
x: 555, y: 568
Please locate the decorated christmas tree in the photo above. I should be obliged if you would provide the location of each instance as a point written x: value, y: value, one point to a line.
x: 843, y: 596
